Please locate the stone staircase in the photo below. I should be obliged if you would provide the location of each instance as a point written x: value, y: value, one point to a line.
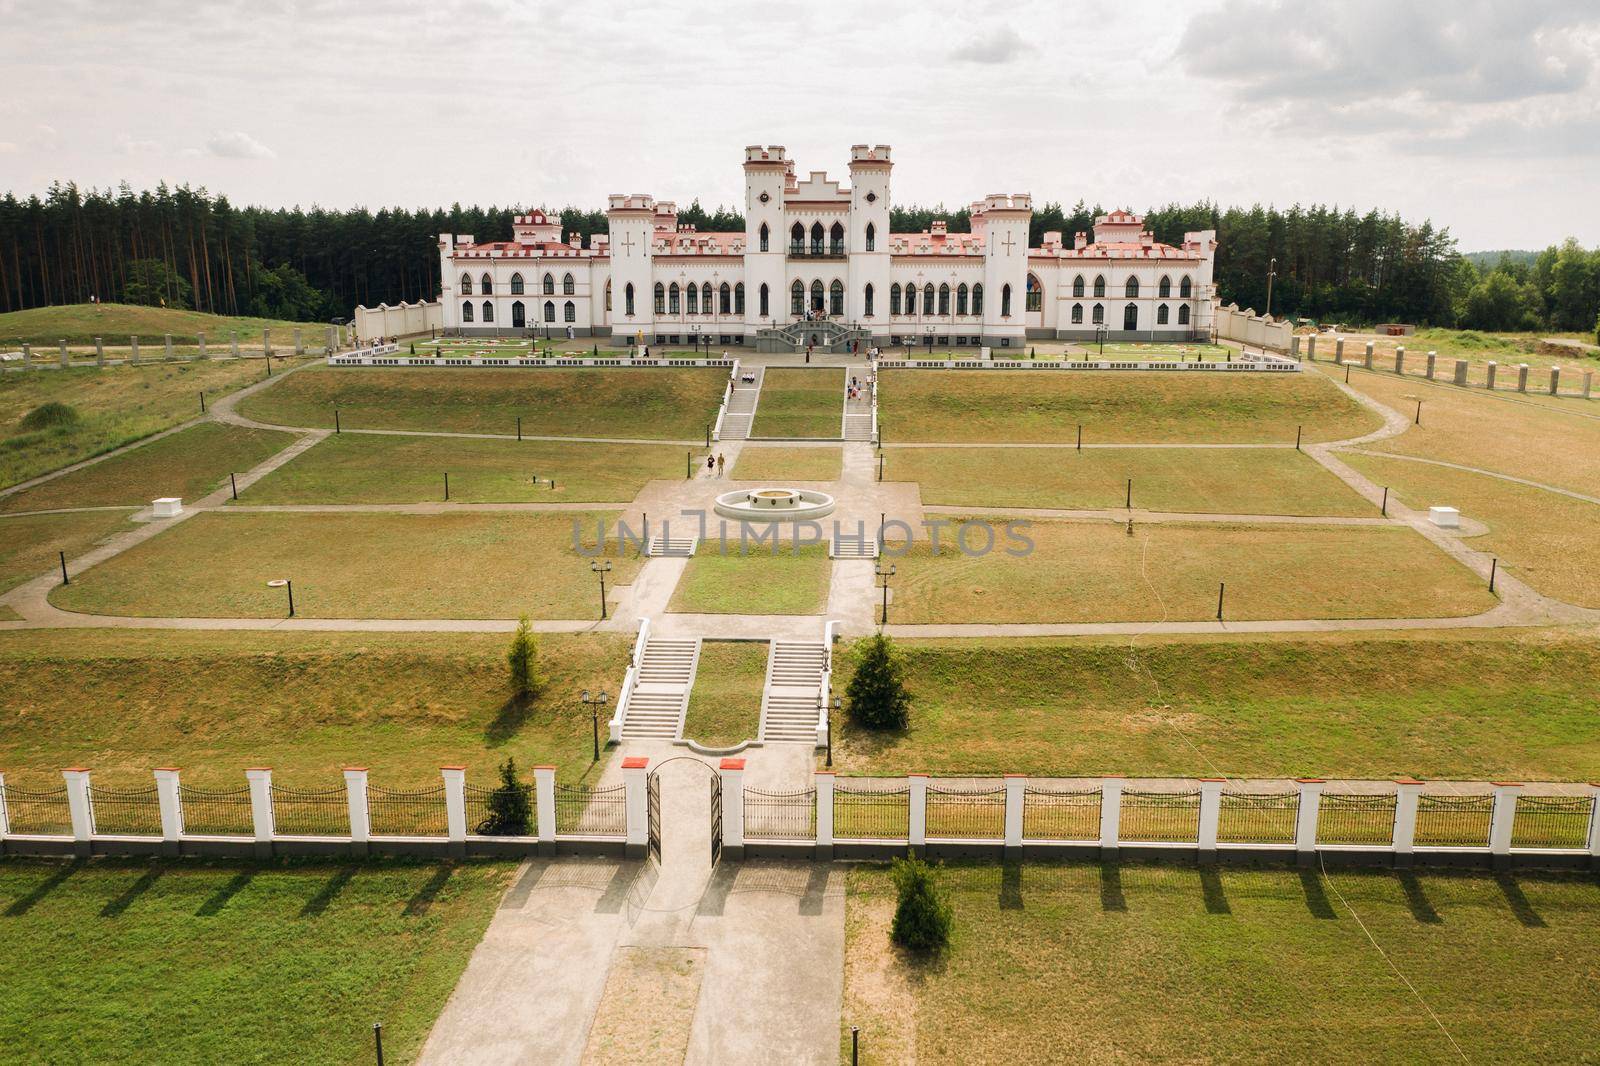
x: 847, y: 547
x: 680, y: 547
x: 742, y: 405
x: 661, y: 691
x: 794, y: 683
x: 858, y: 412
x: 823, y: 336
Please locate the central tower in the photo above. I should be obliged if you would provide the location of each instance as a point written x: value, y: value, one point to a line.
x: 765, y: 173
x: 869, y: 237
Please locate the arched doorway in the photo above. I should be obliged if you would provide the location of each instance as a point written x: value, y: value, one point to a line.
x: 519, y: 317
x: 653, y: 805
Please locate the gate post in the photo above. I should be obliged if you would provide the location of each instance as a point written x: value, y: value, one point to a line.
x: 171, y: 801
x: 1210, y: 817
x: 455, y: 808
x: 1407, y: 790
x: 79, y: 807
x: 355, y: 794
x: 544, y: 797
x: 1501, y: 818
x: 732, y: 773
x: 824, y: 782
x: 1305, y: 827
x: 917, y: 815
x: 1110, y: 815
x: 260, y: 778
x: 1014, y: 784
x: 634, y: 773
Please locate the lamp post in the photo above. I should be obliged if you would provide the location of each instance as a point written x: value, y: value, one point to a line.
x: 1272, y: 272
x: 602, y: 567
x: 1100, y: 336
x: 594, y: 703
x: 286, y: 584
x: 838, y: 707
x: 883, y: 575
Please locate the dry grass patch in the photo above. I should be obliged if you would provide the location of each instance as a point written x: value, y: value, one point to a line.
x: 788, y: 464
x: 725, y: 703
x: 470, y: 565
x: 29, y: 543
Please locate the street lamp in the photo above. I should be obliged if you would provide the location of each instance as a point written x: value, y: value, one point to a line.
x: 593, y: 703
x: 1272, y: 272
x: 284, y: 583
x: 1100, y: 332
x: 602, y: 567
x: 884, y: 574
x: 838, y: 707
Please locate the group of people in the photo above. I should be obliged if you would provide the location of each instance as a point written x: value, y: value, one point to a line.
x: 855, y: 387
x: 715, y: 465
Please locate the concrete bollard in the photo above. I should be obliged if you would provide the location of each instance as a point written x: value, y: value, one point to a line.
x: 1338, y: 350
x: 1461, y: 372
x: 1522, y: 377
x: 1433, y: 357
x: 233, y: 346
x: 27, y: 356
x: 1294, y: 348
x: 1588, y: 382
x: 99, y: 352
x: 1367, y: 356
x: 333, y: 345
x: 266, y: 343
x: 63, y: 352
x: 299, y: 343
x: 1311, y: 348
x: 1399, y: 360
x: 1555, y: 380
x: 133, y: 348
x: 169, y: 346
x: 1492, y: 369
x: 200, y: 338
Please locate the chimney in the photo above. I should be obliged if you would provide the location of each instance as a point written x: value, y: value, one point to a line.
x: 1080, y: 240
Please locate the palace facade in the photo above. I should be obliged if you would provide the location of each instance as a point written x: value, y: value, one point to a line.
x: 817, y: 263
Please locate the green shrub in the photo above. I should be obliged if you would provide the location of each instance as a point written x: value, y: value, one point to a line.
x: 522, y: 659
x: 877, y: 692
x: 921, y: 919
x: 510, y: 806
x: 50, y: 415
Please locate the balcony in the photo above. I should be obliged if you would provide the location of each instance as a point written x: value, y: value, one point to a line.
x: 816, y: 251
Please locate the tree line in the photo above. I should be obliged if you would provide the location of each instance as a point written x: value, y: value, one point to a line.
x: 185, y: 247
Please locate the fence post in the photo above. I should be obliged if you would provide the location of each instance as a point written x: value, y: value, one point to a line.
x: 168, y: 346
x: 1210, y: 817
x: 333, y: 345
x: 1294, y: 347
x: 1400, y: 359
x: 1588, y: 383
x: 1016, y: 787
x: 5, y: 816
x: 82, y: 813
x: 1555, y: 381
x: 1338, y: 350
x: 1367, y: 357
x: 1594, y: 822
x: 732, y: 771
x: 355, y: 794
x: 1461, y: 372
x: 544, y: 796
x: 299, y: 342
x: 917, y: 822
x: 635, y: 770
x: 1490, y: 371
x: 171, y: 801
x: 1311, y: 348
x: 824, y: 783
x: 1407, y: 790
x: 133, y: 348
x: 266, y: 342
x: 1305, y: 826
x: 1501, y: 818
x: 455, y: 808
x: 99, y: 351
x: 1522, y: 377
x: 200, y: 341
x: 260, y: 778
x: 64, y: 357
x: 1110, y: 815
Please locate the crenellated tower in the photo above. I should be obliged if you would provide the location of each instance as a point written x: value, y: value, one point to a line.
x: 868, y: 240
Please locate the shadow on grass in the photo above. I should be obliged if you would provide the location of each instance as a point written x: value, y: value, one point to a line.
x: 1212, y: 892
x: 508, y: 720
x: 24, y: 904
x: 328, y: 892
x: 1316, y: 895
x: 1518, y: 902
x: 1111, y: 897
x: 1417, y: 899
x: 114, y: 908
x: 1011, y: 887
x: 219, y: 899
x: 422, y: 900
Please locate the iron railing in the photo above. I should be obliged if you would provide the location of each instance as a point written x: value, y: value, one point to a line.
x: 324, y: 813
x: 1356, y: 818
x: 42, y: 813
x: 591, y: 811
x: 868, y: 812
x: 477, y: 804
x: 1453, y: 821
x: 1257, y: 817
x: 1552, y: 822
x: 395, y: 813
x: 780, y: 815
x: 1159, y: 817
x: 135, y: 813
x: 966, y: 814
x: 223, y: 813
x: 1060, y: 814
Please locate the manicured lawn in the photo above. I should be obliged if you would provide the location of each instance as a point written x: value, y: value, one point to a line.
x: 788, y: 464
x: 1209, y: 353
x: 305, y: 704
x: 1492, y: 432
x: 383, y: 468
x: 1093, y: 571
x: 28, y: 544
x: 1489, y: 705
x: 989, y: 406
x: 725, y: 703
x: 188, y: 464
x: 1153, y: 964
x: 1220, y: 481
x: 800, y: 403
x: 1544, y: 538
x: 786, y: 581
x: 115, y: 323
x: 651, y: 403
x: 115, y: 405
x: 470, y: 565
x: 192, y: 961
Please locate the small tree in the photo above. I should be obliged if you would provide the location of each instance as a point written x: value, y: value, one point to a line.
x: 921, y: 919
x: 523, y: 661
x: 509, y: 805
x: 878, y: 696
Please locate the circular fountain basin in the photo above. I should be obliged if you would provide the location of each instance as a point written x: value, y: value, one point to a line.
x: 774, y: 505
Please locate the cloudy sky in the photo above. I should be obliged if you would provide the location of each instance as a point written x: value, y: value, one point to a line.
x: 1484, y: 116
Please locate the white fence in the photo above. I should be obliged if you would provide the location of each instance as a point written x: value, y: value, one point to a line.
x: 399, y: 320
x: 1247, y: 327
x: 1243, y: 364
x: 395, y: 359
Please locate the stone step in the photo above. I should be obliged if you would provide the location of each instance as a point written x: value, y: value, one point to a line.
x: 850, y: 548
x: 671, y: 546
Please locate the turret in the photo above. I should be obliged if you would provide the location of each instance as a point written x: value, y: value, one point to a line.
x: 766, y: 172
x: 1003, y: 219
x: 868, y: 240
x: 630, y: 220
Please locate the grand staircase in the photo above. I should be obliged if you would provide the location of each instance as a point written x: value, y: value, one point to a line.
x: 858, y: 413
x: 823, y: 336
x: 742, y: 405
x: 661, y: 691
x: 793, y: 686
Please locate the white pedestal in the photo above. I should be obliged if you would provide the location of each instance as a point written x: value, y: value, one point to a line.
x: 1445, y: 517
x: 167, y: 507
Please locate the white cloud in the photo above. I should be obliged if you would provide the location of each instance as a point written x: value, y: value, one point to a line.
x: 236, y: 144
x: 1001, y: 46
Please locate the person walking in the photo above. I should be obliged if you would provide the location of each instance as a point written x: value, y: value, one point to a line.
x: 711, y: 465
x: 722, y: 462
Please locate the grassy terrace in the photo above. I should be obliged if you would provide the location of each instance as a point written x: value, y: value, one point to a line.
x: 788, y: 464
x: 979, y: 406
x: 214, y: 961
x: 115, y: 405
x: 29, y: 543
x: 650, y: 402
x: 725, y: 703
x: 1144, y: 964
x: 82, y: 323
x: 372, y: 468
x: 469, y: 565
x: 1221, y: 481
x: 1093, y: 571
x: 1509, y: 705
x: 786, y: 581
x: 305, y: 704
x: 1544, y: 538
x: 800, y: 403
x: 188, y: 464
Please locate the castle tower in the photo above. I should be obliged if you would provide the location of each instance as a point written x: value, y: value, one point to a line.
x: 869, y: 236
x: 1204, y: 243
x: 630, y: 222
x: 1004, y: 225
x: 764, y: 263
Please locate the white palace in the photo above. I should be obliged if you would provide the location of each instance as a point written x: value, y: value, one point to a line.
x: 816, y: 263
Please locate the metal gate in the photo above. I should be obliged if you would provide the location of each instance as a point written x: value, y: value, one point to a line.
x: 716, y: 818
x: 653, y: 821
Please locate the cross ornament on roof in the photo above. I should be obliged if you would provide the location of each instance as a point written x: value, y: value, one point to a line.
x: 1007, y: 244
x: 627, y: 242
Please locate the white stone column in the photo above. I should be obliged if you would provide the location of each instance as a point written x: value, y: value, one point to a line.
x: 1404, y: 839
x: 1492, y: 369
x: 824, y: 782
x: 635, y: 772
x: 455, y: 807
x: 1016, y: 789
x: 169, y: 346
x: 355, y: 794
x: 299, y: 342
x: 1433, y: 358
x: 1501, y: 818
x: 1588, y: 383
x: 64, y: 357
x: 1305, y: 826
x: 133, y: 348
x: 266, y: 341
x: 333, y: 345
x: 1366, y: 357
x: 917, y: 829
x: 1555, y: 381
x: 99, y: 352
x: 1522, y: 377
x: 544, y: 797
x: 78, y: 806
x: 1594, y: 824
x: 1311, y: 348
x: 171, y: 800
x: 200, y: 339
x: 1210, y: 816
x: 732, y: 771
x: 1400, y: 359
x: 233, y: 345
x: 1294, y: 347
x: 260, y: 778
x: 1461, y: 372
x: 1110, y: 815
x: 1338, y: 350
